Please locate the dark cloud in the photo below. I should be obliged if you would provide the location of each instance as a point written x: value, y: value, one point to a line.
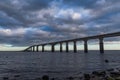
x: 25, y: 21
x: 83, y: 3
x: 33, y: 5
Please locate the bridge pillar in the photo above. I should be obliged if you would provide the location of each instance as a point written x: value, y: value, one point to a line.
x: 75, y: 47
x: 53, y: 47
x: 85, y: 46
x: 33, y: 48
x: 37, y: 48
x: 67, y: 48
x: 101, y: 44
x: 60, y: 47
x: 30, y: 49
x: 43, y: 48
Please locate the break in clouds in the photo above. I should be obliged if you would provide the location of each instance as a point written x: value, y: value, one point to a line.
x: 25, y: 21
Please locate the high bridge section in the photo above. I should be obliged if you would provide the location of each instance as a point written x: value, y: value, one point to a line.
x: 35, y: 48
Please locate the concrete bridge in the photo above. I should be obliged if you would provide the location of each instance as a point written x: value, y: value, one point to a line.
x: 35, y: 48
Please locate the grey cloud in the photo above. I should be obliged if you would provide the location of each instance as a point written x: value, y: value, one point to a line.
x: 83, y: 3
x: 34, y: 5
x: 33, y: 14
x: 22, y: 14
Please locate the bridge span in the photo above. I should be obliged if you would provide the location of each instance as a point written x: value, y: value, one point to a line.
x: 35, y: 48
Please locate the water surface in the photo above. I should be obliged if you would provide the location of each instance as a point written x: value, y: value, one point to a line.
x: 34, y: 64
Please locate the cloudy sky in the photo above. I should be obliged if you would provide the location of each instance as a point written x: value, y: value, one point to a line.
x: 27, y: 22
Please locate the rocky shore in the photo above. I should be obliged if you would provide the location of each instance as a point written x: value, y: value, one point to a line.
x: 110, y: 74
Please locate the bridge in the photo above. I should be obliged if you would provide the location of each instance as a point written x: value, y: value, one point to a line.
x: 35, y: 48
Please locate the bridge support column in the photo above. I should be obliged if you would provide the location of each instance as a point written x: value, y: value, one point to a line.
x: 60, y: 47
x: 43, y: 48
x: 53, y: 47
x: 37, y: 47
x: 30, y: 49
x: 85, y: 46
x: 75, y: 47
x: 67, y: 48
x: 33, y: 48
x: 101, y: 44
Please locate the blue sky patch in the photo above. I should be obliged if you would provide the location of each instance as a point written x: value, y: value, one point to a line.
x: 47, y: 28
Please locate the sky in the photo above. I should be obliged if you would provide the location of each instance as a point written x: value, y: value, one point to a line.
x: 27, y: 22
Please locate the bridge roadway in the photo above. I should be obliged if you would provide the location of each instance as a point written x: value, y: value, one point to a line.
x: 85, y: 39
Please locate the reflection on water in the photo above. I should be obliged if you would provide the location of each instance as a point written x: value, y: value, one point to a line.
x: 56, y: 64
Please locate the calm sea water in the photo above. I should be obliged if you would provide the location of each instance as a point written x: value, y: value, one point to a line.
x: 34, y: 64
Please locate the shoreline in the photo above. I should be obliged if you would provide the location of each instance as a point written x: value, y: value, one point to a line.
x: 109, y: 74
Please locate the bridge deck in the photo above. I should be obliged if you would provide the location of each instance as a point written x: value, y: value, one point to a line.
x: 87, y: 38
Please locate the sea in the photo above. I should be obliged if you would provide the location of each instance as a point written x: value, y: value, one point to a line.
x: 31, y: 65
